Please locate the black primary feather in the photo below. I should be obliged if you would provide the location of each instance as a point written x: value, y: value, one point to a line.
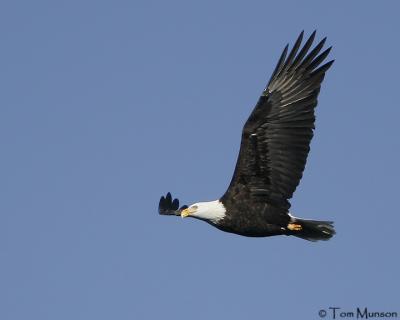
x: 169, y: 206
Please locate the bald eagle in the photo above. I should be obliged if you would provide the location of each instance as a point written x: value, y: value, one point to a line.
x: 273, y: 152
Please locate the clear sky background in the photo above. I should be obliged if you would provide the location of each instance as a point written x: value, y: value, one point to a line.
x: 107, y: 105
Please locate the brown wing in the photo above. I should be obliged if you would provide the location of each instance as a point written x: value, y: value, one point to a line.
x: 276, y: 137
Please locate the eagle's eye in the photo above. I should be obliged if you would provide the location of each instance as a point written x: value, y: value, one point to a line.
x: 194, y: 207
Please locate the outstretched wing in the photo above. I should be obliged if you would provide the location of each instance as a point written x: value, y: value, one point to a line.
x: 169, y: 206
x: 276, y: 137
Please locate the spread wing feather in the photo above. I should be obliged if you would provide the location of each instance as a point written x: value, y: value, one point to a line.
x: 276, y: 137
x: 169, y: 206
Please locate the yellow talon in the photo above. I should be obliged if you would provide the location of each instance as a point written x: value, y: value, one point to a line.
x: 294, y: 227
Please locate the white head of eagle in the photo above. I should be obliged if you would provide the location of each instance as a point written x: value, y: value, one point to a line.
x: 212, y: 211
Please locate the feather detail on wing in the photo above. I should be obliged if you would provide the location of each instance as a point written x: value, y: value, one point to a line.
x: 169, y: 206
x: 276, y: 137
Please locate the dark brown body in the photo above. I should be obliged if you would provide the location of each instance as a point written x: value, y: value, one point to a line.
x: 251, y: 215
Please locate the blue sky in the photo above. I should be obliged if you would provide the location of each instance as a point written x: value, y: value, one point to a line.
x: 107, y: 105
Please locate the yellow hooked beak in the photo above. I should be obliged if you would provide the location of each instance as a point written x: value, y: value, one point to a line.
x: 186, y: 212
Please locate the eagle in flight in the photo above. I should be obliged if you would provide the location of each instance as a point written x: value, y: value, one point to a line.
x: 273, y: 152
